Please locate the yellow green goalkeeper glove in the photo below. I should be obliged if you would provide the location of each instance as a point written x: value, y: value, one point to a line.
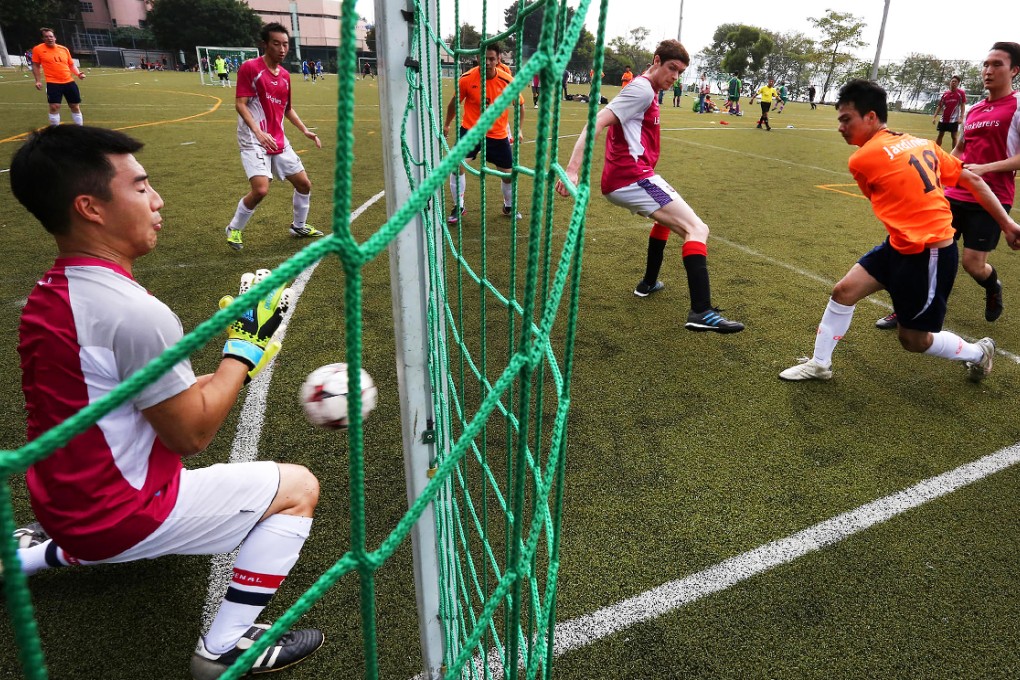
x: 250, y: 338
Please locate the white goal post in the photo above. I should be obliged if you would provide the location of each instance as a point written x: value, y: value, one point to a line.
x: 234, y: 56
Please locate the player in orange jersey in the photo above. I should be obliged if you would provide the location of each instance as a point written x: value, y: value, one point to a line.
x: 903, y: 177
x: 498, y: 140
x: 55, y: 62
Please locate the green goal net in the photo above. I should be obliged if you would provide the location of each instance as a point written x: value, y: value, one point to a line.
x: 485, y: 317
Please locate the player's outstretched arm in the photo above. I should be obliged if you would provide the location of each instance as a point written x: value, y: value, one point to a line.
x: 604, y: 119
x: 188, y: 421
x: 1006, y: 165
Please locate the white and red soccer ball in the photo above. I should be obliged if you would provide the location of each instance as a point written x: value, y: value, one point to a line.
x: 325, y: 394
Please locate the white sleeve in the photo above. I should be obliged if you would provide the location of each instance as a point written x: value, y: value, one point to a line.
x: 633, y: 100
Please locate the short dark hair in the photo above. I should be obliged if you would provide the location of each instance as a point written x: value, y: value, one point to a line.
x: 1012, y: 49
x: 273, y: 27
x: 44, y: 29
x: 672, y: 49
x: 59, y: 163
x: 864, y: 96
x: 494, y: 46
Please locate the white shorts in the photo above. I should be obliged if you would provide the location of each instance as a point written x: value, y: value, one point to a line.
x: 216, y: 508
x: 644, y: 196
x: 258, y: 163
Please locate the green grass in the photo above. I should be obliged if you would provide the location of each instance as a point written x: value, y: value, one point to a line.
x: 684, y: 449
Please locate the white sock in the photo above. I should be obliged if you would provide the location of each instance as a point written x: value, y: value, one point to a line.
x: 458, y: 184
x: 263, y: 562
x: 301, y: 205
x: 951, y: 346
x: 241, y: 216
x: 54, y: 118
x: 834, y: 325
x: 78, y: 118
x: 46, y: 555
x: 508, y: 192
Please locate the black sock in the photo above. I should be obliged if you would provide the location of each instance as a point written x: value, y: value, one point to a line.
x: 989, y: 284
x: 656, y: 246
x: 697, y: 282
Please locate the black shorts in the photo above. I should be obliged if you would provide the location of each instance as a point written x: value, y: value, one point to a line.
x: 947, y: 127
x: 497, y: 151
x: 979, y: 230
x: 919, y: 285
x: 224, y: 76
x: 57, y: 91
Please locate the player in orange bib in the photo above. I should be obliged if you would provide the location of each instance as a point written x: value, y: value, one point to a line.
x: 498, y: 139
x: 903, y: 177
x: 55, y: 62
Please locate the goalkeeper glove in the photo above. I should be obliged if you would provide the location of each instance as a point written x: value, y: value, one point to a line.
x: 250, y: 338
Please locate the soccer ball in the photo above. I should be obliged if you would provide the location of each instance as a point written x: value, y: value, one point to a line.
x: 324, y: 396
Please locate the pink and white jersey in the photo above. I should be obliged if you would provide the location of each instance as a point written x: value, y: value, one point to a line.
x: 992, y: 133
x: 953, y: 103
x: 632, y: 147
x: 87, y: 326
x: 269, y: 100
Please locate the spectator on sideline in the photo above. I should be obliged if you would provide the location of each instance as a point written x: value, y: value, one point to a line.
x: 951, y: 105
x: 678, y: 90
x: 627, y: 76
x: 263, y: 100
x: 733, y: 95
x: 498, y: 150
x: 54, y: 61
x: 811, y: 97
x: 629, y: 180
x: 566, y: 79
x: 118, y: 492
x: 703, y: 89
x: 917, y: 262
x: 536, y: 85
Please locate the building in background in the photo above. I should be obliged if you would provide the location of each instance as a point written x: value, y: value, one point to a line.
x: 314, y: 25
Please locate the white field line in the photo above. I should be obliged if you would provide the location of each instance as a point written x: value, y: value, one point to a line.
x: 672, y: 595
x: 248, y: 435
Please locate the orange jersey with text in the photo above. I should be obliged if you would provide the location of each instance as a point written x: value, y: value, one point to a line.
x: 471, y: 96
x: 56, y: 63
x: 904, y: 177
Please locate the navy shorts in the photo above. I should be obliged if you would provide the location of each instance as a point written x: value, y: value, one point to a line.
x: 57, y: 91
x: 918, y: 284
x: 980, y: 231
x: 947, y: 127
x: 497, y: 151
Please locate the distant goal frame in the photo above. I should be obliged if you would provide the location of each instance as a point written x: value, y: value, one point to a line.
x: 211, y: 51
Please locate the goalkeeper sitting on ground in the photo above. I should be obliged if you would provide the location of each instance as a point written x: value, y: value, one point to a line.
x: 118, y: 492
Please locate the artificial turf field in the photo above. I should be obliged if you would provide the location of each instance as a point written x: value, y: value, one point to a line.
x: 685, y: 450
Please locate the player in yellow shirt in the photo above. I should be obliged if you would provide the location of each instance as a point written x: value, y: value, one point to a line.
x: 903, y: 177
x: 767, y: 94
x: 55, y: 63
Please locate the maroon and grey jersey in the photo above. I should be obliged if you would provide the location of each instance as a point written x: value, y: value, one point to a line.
x: 632, y: 147
x: 88, y: 326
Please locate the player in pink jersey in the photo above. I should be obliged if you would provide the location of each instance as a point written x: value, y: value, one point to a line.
x: 118, y: 492
x: 990, y: 148
x: 949, y: 111
x: 630, y: 181
x: 263, y: 101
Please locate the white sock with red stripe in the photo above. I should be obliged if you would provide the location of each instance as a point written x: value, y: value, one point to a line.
x: 951, y: 346
x: 263, y: 562
x: 835, y: 323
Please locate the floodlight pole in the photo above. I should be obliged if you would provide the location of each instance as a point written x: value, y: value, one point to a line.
x: 680, y: 25
x: 881, y: 37
x: 295, y: 30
